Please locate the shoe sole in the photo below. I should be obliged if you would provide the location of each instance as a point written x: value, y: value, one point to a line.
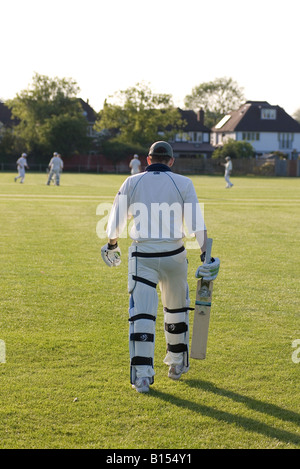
x: 141, y: 390
x: 174, y: 377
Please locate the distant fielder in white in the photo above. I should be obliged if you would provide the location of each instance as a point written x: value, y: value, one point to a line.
x: 21, y: 165
x: 135, y: 165
x: 56, y: 166
x: 228, y: 169
x: 158, y: 200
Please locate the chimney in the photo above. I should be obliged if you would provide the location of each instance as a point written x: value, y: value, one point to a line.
x: 200, y: 116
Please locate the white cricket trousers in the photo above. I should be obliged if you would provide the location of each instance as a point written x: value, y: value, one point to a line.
x: 56, y: 174
x: 21, y: 176
x: 227, y: 175
x: 170, y: 274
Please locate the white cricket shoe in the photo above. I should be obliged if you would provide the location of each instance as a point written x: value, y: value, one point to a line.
x: 141, y: 385
x: 175, y: 371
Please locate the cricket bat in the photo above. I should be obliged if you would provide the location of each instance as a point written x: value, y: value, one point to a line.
x: 202, y: 312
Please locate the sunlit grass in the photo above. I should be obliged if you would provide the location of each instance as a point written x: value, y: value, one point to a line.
x: 63, y: 318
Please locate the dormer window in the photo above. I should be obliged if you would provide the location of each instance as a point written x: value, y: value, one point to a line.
x: 268, y: 114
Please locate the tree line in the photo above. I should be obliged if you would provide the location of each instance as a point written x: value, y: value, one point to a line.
x: 48, y: 116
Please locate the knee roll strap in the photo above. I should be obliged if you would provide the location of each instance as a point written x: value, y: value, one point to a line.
x: 176, y: 331
x: 142, y: 337
x: 177, y: 328
x: 141, y: 341
x: 177, y: 348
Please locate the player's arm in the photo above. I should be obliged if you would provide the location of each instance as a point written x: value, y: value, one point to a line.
x: 201, y: 237
x: 117, y: 221
x: 110, y: 252
x: 210, y: 267
x: 194, y: 218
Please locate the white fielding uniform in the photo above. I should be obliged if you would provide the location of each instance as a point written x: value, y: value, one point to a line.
x: 21, y: 165
x: 153, y: 233
x: 135, y: 166
x: 228, y: 169
x: 56, y: 166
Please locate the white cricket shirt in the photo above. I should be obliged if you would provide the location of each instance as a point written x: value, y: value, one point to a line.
x: 159, y: 202
x: 56, y: 163
x: 135, y: 166
x: 22, y: 162
x: 228, y: 167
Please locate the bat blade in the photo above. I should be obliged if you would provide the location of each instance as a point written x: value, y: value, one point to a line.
x: 202, y: 314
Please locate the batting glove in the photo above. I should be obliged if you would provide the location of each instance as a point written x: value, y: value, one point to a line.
x: 111, y: 254
x: 209, y: 272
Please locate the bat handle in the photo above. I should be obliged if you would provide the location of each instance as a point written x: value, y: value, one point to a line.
x: 208, y: 250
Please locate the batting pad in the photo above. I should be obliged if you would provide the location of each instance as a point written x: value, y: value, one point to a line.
x: 141, y: 344
x: 177, y: 336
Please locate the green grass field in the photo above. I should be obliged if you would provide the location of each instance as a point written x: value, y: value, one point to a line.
x: 63, y: 319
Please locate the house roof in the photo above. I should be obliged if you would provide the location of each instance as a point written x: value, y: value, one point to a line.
x: 89, y: 112
x: 193, y: 121
x: 189, y: 147
x: 5, y: 115
x: 7, y: 120
x: 248, y: 118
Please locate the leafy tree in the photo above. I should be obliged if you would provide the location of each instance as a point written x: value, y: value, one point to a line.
x: 67, y: 133
x: 296, y: 115
x: 50, y: 116
x: 8, y: 144
x: 234, y: 149
x: 116, y: 151
x: 216, y: 98
x: 136, y: 116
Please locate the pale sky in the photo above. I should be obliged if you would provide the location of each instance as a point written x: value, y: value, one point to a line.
x: 171, y: 45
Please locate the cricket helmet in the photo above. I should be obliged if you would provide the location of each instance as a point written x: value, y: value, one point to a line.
x: 161, y: 148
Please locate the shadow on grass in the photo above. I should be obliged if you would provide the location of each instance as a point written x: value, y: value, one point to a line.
x: 248, y: 424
